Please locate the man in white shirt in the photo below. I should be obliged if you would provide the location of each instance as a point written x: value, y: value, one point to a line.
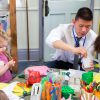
x: 64, y: 39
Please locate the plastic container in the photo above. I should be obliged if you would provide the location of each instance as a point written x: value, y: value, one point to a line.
x: 86, y: 62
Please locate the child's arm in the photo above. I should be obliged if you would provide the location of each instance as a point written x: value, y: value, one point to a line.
x: 4, y: 68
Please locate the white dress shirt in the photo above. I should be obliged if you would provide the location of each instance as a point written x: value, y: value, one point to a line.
x: 64, y: 32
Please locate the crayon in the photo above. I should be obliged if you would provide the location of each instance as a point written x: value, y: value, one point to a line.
x: 48, y: 86
x: 43, y: 93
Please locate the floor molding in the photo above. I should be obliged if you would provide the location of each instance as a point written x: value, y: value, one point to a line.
x: 34, y: 55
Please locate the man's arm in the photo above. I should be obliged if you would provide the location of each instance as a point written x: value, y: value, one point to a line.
x: 54, y: 40
x: 59, y: 44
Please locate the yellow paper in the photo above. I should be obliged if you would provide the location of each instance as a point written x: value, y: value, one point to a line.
x: 19, y: 90
x: 3, y: 85
x: 96, y: 77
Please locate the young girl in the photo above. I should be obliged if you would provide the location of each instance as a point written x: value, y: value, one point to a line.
x: 5, y: 64
x: 97, y: 44
x: 3, y: 96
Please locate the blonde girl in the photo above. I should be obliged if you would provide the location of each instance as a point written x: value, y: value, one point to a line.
x: 5, y: 62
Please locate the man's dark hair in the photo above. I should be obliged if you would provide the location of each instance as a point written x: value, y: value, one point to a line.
x: 84, y: 13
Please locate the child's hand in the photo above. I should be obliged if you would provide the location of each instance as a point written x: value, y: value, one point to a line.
x: 2, y: 49
x: 11, y: 63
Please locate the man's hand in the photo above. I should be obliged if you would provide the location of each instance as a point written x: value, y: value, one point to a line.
x: 80, y: 50
x: 59, y: 44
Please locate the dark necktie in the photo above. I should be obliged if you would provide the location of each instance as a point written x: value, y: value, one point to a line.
x: 76, y: 57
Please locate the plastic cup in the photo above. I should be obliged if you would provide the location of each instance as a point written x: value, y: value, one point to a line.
x: 86, y: 63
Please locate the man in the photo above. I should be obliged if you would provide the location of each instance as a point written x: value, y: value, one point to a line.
x: 65, y: 39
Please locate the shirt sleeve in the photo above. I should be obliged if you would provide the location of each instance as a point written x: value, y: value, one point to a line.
x: 54, y: 35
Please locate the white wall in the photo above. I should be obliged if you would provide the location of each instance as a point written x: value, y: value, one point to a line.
x: 22, y: 24
x: 96, y: 18
x: 96, y: 15
x: 33, y: 25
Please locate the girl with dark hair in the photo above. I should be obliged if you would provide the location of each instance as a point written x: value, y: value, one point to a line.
x: 97, y: 44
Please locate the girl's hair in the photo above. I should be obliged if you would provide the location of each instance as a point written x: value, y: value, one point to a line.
x: 3, y: 96
x: 97, y: 44
x: 4, y: 35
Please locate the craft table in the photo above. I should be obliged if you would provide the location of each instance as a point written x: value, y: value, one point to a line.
x: 21, y: 80
x: 52, y: 70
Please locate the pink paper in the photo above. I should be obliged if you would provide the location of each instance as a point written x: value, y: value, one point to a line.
x: 42, y: 69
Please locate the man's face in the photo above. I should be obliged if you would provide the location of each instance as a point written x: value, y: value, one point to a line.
x: 82, y: 27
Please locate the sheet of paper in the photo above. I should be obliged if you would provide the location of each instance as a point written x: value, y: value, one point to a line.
x: 42, y: 69
x: 73, y: 73
x: 2, y: 85
x: 8, y: 90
